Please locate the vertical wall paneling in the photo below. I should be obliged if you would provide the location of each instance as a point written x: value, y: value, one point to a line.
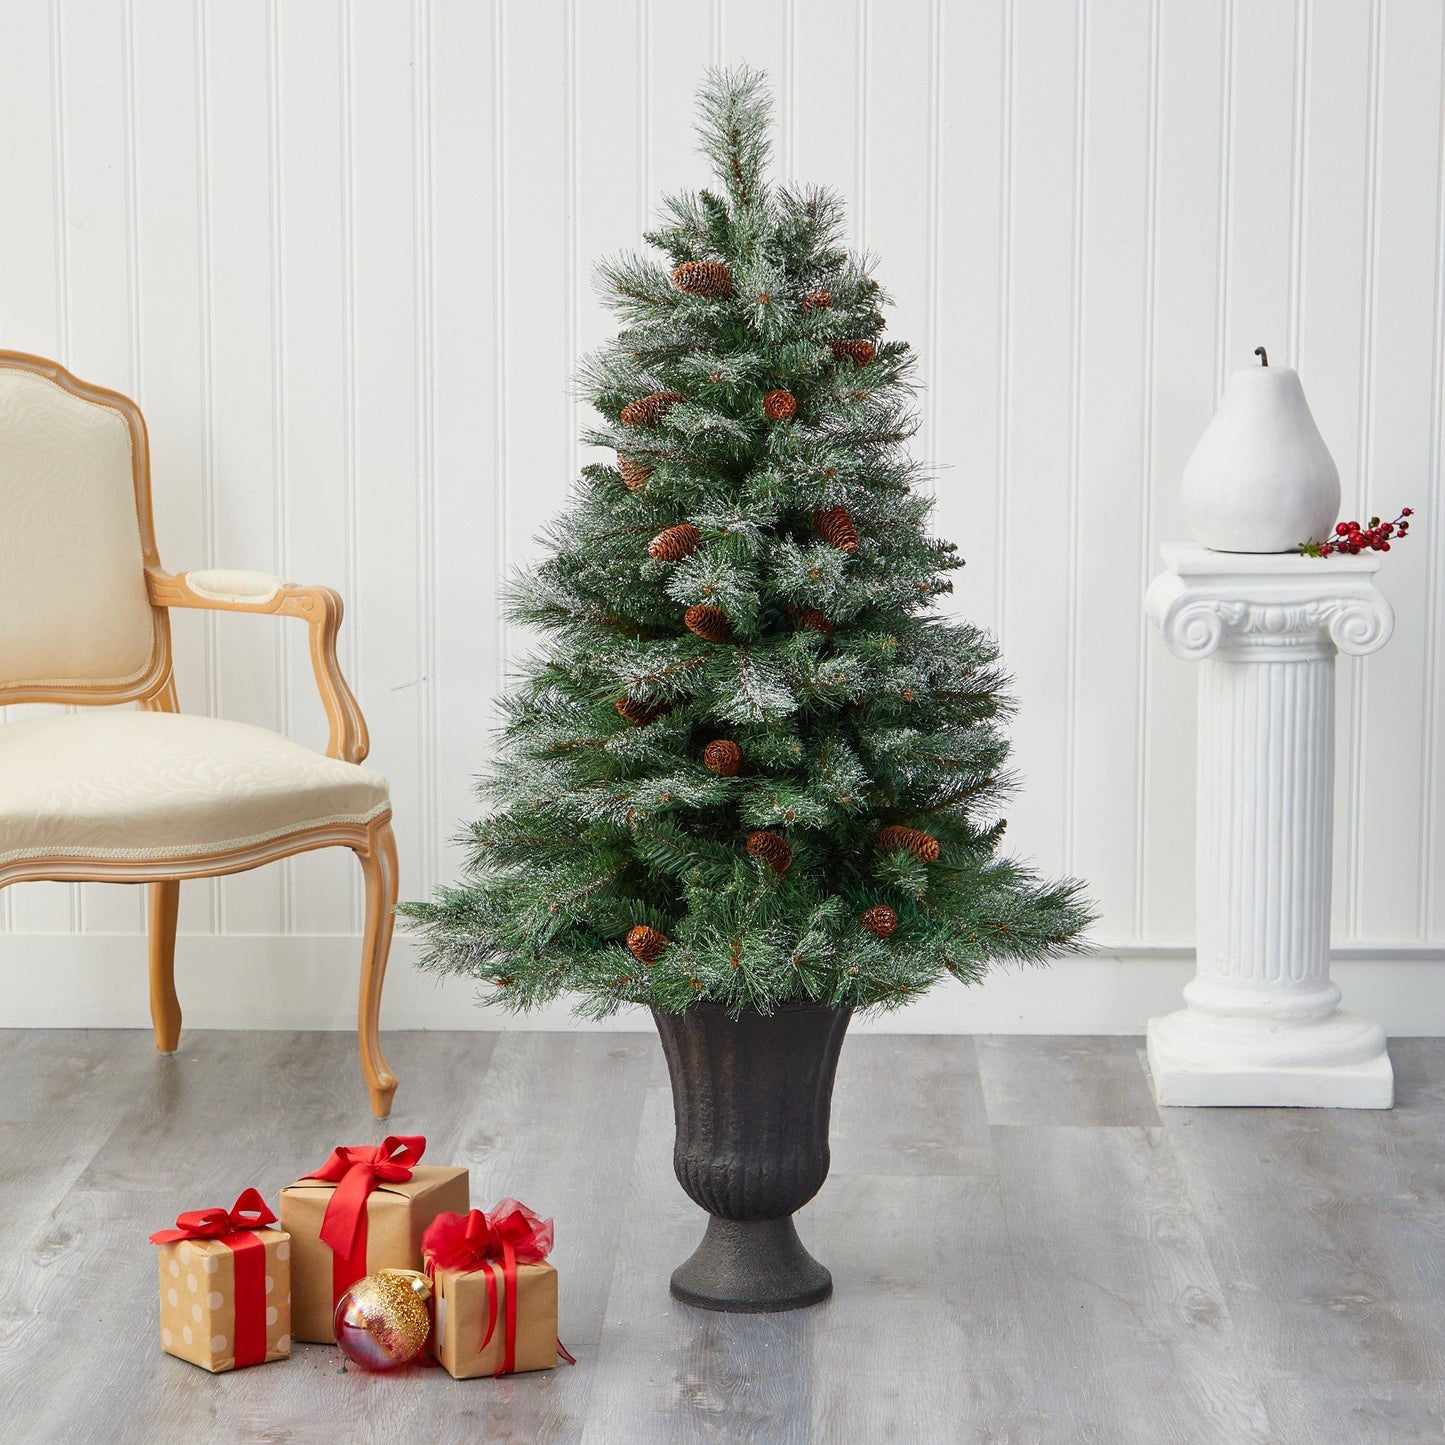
x: 466, y: 404
x: 170, y: 381
x: 1034, y: 623
x: 1432, y: 534
x: 1336, y: 148
x: 1108, y: 549
x: 310, y: 244
x: 965, y: 390
x: 32, y: 278
x: 1400, y: 420
x: 243, y: 364
x: 1181, y: 386
x: 389, y: 665
x: 342, y: 253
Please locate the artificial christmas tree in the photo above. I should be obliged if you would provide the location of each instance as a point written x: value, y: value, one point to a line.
x: 793, y: 714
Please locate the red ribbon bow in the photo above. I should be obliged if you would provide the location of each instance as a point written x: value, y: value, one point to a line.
x: 234, y: 1228
x: 248, y: 1212
x: 357, y: 1169
x: 509, y: 1235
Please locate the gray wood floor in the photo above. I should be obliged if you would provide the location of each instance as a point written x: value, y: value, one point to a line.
x: 1024, y: 1248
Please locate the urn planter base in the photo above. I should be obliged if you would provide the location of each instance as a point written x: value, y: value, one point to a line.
x: 751, y: 1099
x: 751, y: 1266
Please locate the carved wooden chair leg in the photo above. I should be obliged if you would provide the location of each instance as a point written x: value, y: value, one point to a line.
x: 378, y: 867
x: 162, y: 901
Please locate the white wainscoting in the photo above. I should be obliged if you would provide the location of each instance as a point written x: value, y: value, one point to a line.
x: 340, y: 252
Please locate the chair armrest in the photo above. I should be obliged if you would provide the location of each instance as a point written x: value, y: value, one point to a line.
x: 319, y: 607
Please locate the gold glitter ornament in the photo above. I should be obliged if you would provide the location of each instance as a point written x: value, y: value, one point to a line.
x: 382, y: 1321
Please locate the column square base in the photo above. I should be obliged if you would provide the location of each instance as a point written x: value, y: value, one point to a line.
x: 1183, y: 1082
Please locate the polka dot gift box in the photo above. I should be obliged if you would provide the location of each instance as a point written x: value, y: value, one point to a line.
x: 226, y: 1286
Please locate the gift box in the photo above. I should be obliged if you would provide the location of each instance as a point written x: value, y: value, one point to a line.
x: 365, y: 1209
x: 226, y: 1286
x: 494, y: 1296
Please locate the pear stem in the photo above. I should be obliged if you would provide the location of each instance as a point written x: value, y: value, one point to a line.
x: 1263, y: 355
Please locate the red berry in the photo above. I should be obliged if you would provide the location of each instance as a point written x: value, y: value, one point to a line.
x: 1342, y: 528
x: 1384, y: 546
x: 1407, y: 511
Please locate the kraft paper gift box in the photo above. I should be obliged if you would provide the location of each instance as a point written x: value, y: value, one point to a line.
x: 494, y: 1296
x: 226, y: 1287
x: 365, y: 1209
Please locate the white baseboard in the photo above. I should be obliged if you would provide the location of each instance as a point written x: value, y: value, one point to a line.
x: 257, y: 981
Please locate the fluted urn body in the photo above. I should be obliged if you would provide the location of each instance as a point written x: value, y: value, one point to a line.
x: 752, y: 1098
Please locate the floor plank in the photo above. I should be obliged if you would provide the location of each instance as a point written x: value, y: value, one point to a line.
x: 1128, y: 1333
x: 1049, y: 1081
x: 913, y: 1111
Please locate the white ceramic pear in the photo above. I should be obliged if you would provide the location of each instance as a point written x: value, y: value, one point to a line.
x: 1261, y: 478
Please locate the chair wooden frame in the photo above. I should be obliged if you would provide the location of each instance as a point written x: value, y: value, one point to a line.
x: 373, y: 843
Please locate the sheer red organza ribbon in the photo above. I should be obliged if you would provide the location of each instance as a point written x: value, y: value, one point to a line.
x: 356, y: 1170
x: 497, y: 1241
x: 233, y: 1227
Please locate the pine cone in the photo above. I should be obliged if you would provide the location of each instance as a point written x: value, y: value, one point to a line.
x: 704, y: 278
x: 836, y: 528
x: 646, y: 944
x: 921, y: 845
x: 639, y: 714
x: 880, y: 920
x: 672, y: 544
x: 634, y: 472
x: 709, y: 623
x: 650, y: 410
x: 771, y: 849
x: 817, y: 299
x: 860, y: 353
x: 780, y: 405
x: 814, y: 621
x: 723, y: 757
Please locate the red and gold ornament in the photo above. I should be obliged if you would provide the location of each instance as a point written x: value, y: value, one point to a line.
x: 382, y: 1321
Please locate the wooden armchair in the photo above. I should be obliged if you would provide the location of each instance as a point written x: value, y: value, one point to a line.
x: 154, y: 796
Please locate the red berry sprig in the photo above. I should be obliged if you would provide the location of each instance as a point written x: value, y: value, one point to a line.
x: 1352, y: 538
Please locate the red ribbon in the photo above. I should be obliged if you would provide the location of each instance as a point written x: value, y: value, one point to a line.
x: 496, y: 1242
x: 356, y: 1170
x: 234, y: 1228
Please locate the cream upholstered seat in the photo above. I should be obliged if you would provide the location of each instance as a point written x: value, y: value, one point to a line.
x: 157, y: 785
x: 155, y: 796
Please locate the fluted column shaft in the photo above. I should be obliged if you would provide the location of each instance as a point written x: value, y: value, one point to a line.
x: 1261, y: 1022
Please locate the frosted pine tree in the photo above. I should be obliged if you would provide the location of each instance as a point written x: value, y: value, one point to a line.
x: 750, y: 764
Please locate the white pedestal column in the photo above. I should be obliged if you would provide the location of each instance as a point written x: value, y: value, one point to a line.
x: 1261, y: 1022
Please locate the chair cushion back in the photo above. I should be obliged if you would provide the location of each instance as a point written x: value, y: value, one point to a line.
x: 74, y: 612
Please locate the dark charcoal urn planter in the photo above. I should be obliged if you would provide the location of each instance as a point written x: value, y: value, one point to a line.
x: 751, y: 1097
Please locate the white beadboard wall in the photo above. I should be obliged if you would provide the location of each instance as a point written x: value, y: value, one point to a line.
x: 341, y: 254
